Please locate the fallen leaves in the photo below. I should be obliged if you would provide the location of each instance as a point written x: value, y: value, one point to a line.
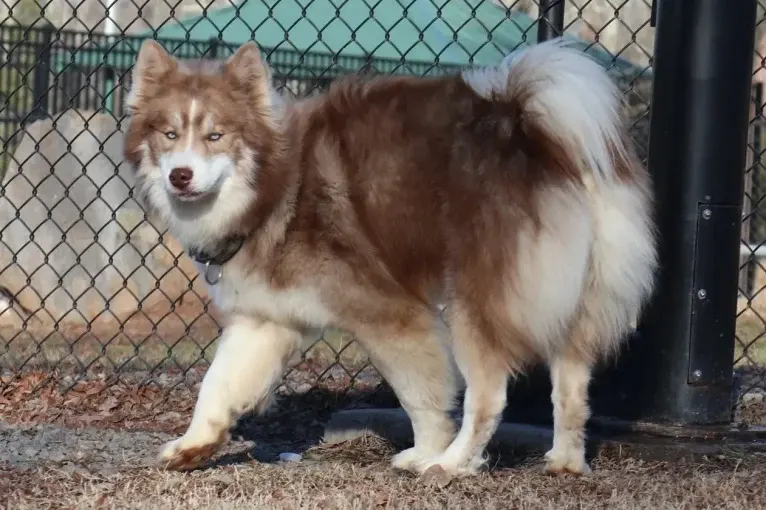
x: 38, y: 398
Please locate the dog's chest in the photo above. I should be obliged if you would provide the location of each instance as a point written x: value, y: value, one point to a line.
x: 252, y: 295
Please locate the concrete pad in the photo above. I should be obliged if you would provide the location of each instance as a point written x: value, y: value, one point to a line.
x: 394, y: 425
x: 658, y: 442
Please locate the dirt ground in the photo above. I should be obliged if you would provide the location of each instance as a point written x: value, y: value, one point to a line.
x: 95, y: 445
x: 51, y: 467
x: 73, y: 442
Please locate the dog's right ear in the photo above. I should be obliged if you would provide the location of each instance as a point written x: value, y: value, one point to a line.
x: 152, y: 64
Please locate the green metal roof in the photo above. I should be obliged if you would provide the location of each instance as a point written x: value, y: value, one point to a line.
x: 457, y: 32
x: 385, y: 29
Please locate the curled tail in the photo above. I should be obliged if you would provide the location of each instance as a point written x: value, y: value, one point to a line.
x: 570, y: 97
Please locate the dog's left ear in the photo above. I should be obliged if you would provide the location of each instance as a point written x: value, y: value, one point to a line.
x: 249, y: 71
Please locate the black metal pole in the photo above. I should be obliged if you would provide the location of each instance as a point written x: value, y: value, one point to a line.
x: 550, y: 23
x: 682, y: 363
x: 41, y: 79
x: 213, y: 47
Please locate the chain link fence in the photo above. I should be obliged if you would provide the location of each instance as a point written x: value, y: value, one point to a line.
x: 750, y: 347
x: 89, y: 288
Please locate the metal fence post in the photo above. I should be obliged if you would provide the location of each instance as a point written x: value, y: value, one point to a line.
x: 551, y: 20
x: 213, y: 48
x: 41, y: 80
x: 703, y: 60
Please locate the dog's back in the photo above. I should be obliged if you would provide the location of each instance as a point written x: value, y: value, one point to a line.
x: 515, y: 195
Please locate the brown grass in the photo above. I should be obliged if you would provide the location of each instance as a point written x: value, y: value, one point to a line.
x: 177, y: 341
x: 358, y: 476
x: 750, y: 345
x: 181, y: 342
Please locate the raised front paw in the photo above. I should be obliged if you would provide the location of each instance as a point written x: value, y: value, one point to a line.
x: 184, y: 455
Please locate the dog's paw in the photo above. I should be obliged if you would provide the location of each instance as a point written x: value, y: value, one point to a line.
x: 437, y: 476
x: 445, y: 467
x: 410, y: 459
x: 566, y: 462
x: 179, y: 455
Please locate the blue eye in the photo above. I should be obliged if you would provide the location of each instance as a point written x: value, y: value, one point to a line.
x: 213, y: 137
x: 171, y: 134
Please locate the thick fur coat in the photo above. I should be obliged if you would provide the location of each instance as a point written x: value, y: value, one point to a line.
x: 461, y: 227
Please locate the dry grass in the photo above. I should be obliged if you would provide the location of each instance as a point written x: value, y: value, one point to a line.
x: 750, y: 348
x: 358, y: 476
x: 163, y: 334
x: 183, y: 341
x: 175, y: 344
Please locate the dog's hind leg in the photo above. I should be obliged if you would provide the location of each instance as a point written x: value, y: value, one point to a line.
x: 622, y: 265
x: 248, y: 363
x: 486, y: 376
x: 416, y: 362
x: 570, y: 375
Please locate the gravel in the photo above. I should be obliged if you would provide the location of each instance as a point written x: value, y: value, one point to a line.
x: 97, y: 450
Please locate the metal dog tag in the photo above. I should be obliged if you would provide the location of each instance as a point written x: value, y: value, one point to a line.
x: 213, y: 274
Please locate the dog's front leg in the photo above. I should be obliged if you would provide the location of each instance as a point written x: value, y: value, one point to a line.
x: 250, y: 360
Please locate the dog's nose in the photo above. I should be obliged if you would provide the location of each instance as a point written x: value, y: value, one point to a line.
x: 181, y: 177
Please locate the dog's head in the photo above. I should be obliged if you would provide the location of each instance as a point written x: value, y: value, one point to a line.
x: 198, y: 134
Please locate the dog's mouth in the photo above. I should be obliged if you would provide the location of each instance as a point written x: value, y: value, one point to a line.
x: 191, y: 193
x: 188, y: 196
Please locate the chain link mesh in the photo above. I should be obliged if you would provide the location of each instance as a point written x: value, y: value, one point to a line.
x: 90, y: 288
x: 750, y: 347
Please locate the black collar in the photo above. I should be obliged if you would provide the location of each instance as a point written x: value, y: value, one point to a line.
x: 223, y: 252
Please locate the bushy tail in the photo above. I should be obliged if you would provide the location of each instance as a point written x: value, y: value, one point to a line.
x: 573, y: 99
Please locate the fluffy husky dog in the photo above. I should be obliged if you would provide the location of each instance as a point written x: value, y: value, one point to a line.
x: 467, y: 225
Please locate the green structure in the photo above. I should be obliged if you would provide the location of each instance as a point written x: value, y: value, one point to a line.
x: 450, y: 32
x: 309, y: 43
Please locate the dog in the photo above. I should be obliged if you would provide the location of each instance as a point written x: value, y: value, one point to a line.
x: 462, y: 227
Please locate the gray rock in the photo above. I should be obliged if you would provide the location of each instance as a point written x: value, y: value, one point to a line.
x: 290, y: 457
x: 68, y: 188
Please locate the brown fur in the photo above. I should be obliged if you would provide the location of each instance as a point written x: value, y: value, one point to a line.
x: 382, y: 194
x: 396, y: 220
